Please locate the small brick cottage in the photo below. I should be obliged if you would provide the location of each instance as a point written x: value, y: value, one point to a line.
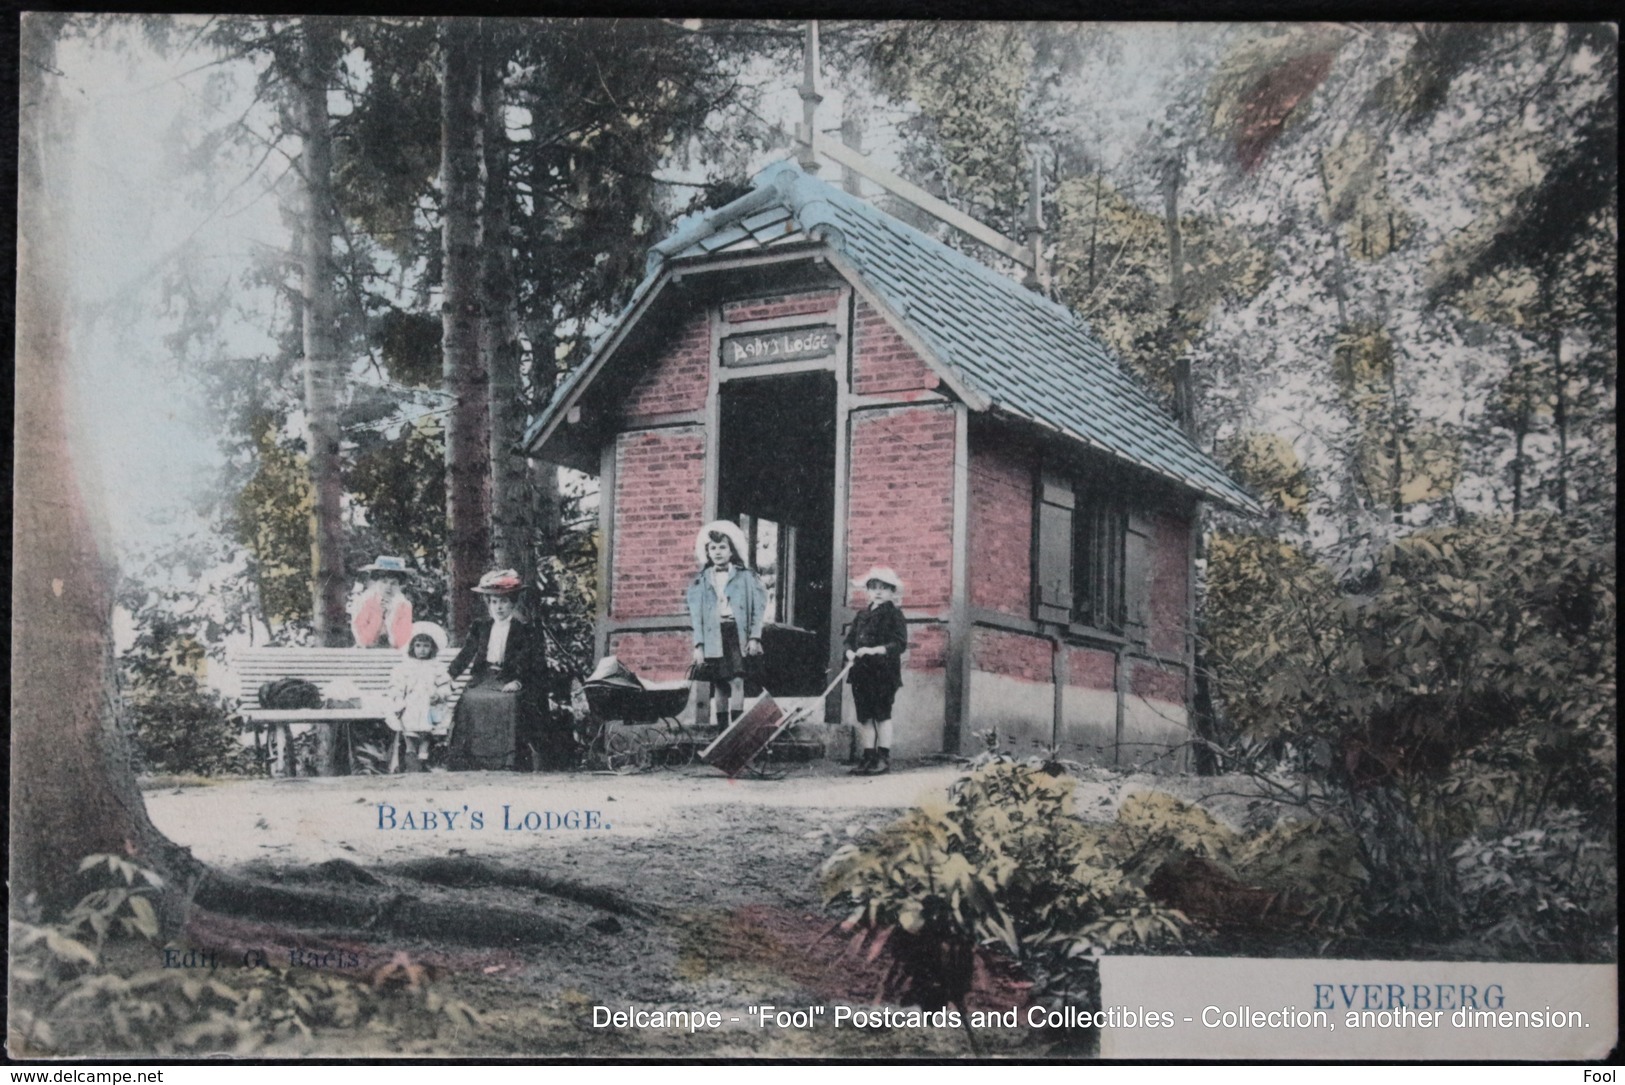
x: 852, y: 393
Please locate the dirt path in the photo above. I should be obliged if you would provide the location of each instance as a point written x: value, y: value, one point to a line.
x: 724, y: 872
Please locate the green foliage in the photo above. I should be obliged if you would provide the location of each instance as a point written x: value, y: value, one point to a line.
x: 402, y: 482
x: 1308, y: 873
x: 1269, y: 467
x: 1003, y: 863
x: 970, y: 83
x: 1111, y: 264
x: 1541, y: 893
x: 272, y: 517
x: 179, y: 725
x: 1465, y: 687
x: 73, y: 995
x: 409, y: 344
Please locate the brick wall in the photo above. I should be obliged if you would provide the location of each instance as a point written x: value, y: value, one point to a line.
x: 1157, y: 683
x: 1012, y: 654
x: 659, y: 483
x: 781, y: 305
x: 1170, y: 583
x: 927, y: 646
x: 1001, y: 527
x: 658, y: 657
x: 882, y: 359
x: 677, y: 381
x: 900, y: 508
x: 1090, y: 668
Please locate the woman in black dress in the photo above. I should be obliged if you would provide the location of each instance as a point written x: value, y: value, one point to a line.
x: 503, y: 712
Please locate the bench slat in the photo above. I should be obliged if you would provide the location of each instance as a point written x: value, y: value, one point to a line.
x: 366, y: 670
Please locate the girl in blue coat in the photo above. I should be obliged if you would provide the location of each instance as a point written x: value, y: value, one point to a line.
x: 727, y: 606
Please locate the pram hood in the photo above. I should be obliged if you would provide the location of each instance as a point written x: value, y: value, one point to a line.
x: 612, y: 672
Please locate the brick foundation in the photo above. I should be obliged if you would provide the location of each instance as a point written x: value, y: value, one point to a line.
x: 1089, y: 668
x: 882, y: 360
x: 1157, y: 683
x: 657, y: 657
x: 1012, y: 654
x: 900, y: 509
x: 659, y: 483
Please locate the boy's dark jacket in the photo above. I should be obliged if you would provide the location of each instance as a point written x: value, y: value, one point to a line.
x: 881, y: 626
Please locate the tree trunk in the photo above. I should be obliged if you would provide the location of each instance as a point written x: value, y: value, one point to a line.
x: 323, y: 371
x: 1560, y: 417
x: 468, y: 475
x: 73, y: 790
x: 511, y: 527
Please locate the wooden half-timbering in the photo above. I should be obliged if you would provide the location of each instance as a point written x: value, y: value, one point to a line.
x: 1092, y: 653
x: 772, y: 371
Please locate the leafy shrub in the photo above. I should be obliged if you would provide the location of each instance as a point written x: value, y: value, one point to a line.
x: 1303, y: 874
x: 1003, y: 863
x: 178, y: 724
x: 1541, y: 893
x: 1461, y: 689
x: 68, y: 999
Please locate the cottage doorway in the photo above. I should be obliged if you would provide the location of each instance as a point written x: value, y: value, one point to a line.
x: 776, y: 479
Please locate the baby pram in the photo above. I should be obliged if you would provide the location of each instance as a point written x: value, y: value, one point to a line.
x: 630, y: 723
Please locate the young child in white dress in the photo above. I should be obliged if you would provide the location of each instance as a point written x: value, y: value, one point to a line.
x: 419, y: 689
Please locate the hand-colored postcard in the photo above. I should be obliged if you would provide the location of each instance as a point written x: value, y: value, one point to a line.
x: 695, y: 539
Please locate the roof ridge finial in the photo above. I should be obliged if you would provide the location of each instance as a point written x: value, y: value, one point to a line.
x: 807, y: 157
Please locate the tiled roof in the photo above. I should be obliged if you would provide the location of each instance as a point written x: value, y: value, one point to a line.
x: 1028, y: 356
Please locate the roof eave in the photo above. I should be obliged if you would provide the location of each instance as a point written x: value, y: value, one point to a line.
x: 1237, y: 501
x: 582, y: 378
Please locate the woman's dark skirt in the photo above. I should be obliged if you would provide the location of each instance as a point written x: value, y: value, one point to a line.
x: 726, y: 667
x: 485, y: 728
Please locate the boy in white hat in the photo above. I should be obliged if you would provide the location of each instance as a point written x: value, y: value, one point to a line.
x: 875, y: 644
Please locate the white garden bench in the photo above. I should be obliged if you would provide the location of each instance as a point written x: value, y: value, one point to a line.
x: 360, y: 674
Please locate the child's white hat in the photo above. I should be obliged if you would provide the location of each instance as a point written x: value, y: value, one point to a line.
x: 883, y: 573
x: 722, y: 527
x: 426, y: 629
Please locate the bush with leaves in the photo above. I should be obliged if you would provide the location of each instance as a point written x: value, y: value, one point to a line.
x: 1462, y: 687
x: 70, y: 996
x: 1004, y: 864
x: 1541, y: 893
x: 179, y: 725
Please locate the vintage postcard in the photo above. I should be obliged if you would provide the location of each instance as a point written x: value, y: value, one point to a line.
x: 692, y: 539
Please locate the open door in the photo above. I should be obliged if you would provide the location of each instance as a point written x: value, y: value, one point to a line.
x: 777, y: 481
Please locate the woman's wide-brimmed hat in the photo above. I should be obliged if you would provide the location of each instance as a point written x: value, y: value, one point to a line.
x: 388, y: 565
x: 883, y: 573
x: 430, y: 630
x: 722, y: 527
x: 499, y: 582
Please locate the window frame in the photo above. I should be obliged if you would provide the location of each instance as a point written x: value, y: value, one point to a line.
x: 1072, y: 504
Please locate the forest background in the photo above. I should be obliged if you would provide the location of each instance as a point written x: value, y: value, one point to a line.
x: 319, y: 272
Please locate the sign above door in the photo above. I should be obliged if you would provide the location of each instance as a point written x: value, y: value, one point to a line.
x: 787, y: 345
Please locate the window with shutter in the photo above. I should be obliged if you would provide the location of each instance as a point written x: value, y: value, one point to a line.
x: 1084, y: 555
x: 1097, y: 562
x: 1052, y: 571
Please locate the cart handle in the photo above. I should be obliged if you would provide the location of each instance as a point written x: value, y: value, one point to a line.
x: 831, y: 687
